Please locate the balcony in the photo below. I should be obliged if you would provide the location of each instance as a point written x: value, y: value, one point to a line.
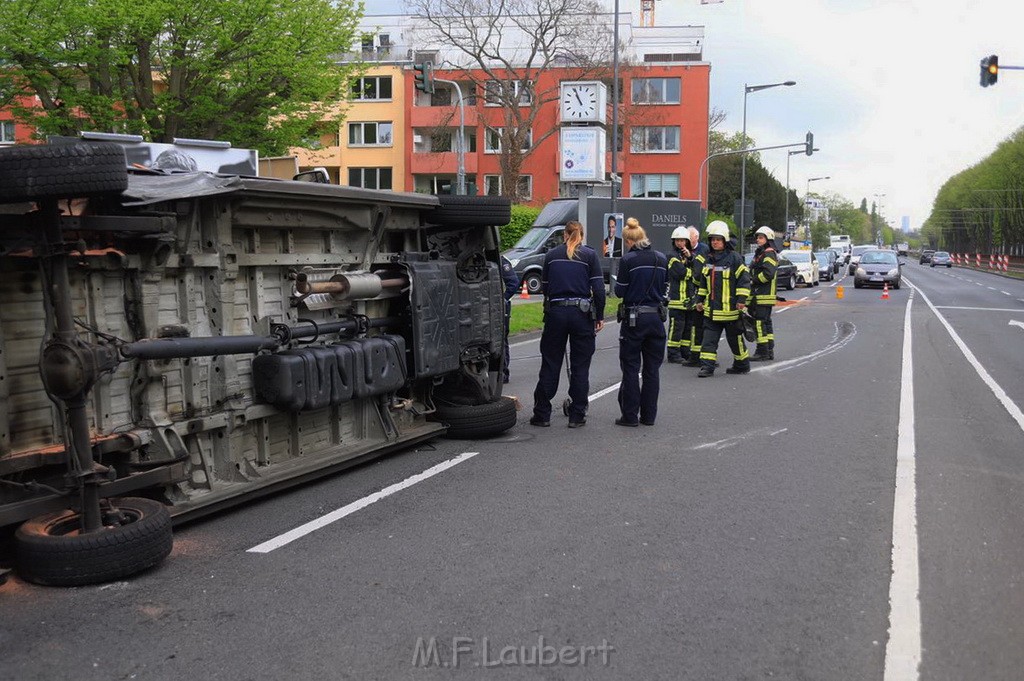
x: 440, y: 162
x: 441, y: 117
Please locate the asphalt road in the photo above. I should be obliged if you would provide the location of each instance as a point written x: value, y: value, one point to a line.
x: 748, y: 535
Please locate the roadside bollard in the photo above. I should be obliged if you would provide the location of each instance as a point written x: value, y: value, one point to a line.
x: 839, y: 292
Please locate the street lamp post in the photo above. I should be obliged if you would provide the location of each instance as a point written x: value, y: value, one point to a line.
x: 460, y: 174
x: 747, y: 89
x: 790, y: 155
x: 807, y: 194
x: 878, y: 210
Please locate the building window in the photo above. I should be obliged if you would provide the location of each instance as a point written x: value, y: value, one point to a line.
x: 654, y: 186
x: 492, y: 186
x: 654, y: 139
x: 497, y: 94
x: 371, y: 88
x: 6, y: 132
x: 492, y: 140
x: 656, y: 91
x: 370, y: 178
x: 376, y: 134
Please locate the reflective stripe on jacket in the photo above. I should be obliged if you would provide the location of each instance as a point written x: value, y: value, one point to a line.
x: 725, y: 284
x: 678, y: 274
x: 762, y: 275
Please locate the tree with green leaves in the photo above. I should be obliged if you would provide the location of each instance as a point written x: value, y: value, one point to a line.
x: 258, y: 73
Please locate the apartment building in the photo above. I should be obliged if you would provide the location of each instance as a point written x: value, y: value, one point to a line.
x: 395, y: 137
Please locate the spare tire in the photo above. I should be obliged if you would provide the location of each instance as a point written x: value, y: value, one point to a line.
x: 471, y: 211
x: 471, y: 422
x: 61, y: 171
x: 136, y: 536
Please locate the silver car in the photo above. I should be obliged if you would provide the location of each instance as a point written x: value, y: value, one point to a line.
x: 878, y: 267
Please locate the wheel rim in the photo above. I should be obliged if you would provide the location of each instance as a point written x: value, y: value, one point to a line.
x: 532, y: 284
x: 70, y: 525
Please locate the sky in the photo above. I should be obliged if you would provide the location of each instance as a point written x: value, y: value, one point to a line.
x: 890, y: 88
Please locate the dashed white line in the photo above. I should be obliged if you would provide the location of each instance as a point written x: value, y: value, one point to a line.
x: 979, y: 309
x: 991, y: 288
x: 1005, y: 293
x: 324, y: 520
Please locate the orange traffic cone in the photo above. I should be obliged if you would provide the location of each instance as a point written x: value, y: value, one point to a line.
x: 524, y: 293
x: 885, y: 291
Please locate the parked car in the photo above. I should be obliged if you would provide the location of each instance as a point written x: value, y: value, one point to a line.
x: 941, y: 258
x: 806, y: 266
x: 855, y: 254
x: 926, y: 256
x: 826, y: 265
x: 878, y: 267
x: 785, y: 273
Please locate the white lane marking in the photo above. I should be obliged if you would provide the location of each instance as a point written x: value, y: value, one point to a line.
x: 1005, y: 293
x: 977, y: 283
x: 1014, y: 322
x: 991, y: 288
x: 602, y: 393
x: 1000, y: 394
x: 324, y: 520
x: 736, y: 439
x: 833, y: 345
x: 816, y: 292
x: 833, y: 284
x: 979, y: 309
x: 903, y: 651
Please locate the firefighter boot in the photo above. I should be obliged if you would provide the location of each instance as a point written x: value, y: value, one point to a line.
x: 674, y: 356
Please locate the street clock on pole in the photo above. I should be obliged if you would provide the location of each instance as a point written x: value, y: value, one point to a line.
x: 583, y: 101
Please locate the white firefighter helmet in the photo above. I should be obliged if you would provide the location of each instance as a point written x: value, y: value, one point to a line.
x: 680, y: 232
x: 768, y: 232
x: 718, y: 228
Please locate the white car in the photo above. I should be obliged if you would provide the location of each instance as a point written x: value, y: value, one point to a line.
x: 806, y: 266
x: 855, y: 256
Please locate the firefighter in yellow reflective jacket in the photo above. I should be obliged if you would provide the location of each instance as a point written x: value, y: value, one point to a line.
x: 694, y: 329
x: 762, y: 275
x: 678, y: 273
x: 724, y: 289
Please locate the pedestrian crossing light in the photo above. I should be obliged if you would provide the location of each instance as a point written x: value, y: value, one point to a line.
x: 810, y: 144
x: 989, y: 70
x: 424, y: 77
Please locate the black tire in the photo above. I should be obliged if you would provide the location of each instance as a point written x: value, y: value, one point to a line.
x: 533, y: 283
x: 791, y: 284
x: 50, y: 552
x: 472, y: 211
x: 896, y: 285
x: 56, y: 171
x: 477, y: 421
x: 857, y: 284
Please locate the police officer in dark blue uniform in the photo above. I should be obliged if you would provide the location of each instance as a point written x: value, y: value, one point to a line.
x: 641, y: 285
x: 573, y: 285
x: 511, y: 279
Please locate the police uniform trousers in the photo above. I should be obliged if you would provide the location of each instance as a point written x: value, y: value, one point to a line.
x: 508, y: 352
x: 712, y: 334
x: 762, y: 315
x: 562, y: 325
x: 694, y: 330
x: 678, y: 335
x: 641, y: 353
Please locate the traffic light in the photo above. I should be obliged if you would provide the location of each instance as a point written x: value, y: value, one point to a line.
x: 809, y: 149
x: 989, y: 70
x: 424, y: 77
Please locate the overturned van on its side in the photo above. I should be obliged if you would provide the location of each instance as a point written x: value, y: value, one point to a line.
x: 171, y: 344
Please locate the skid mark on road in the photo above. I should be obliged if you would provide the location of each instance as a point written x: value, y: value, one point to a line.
x: 845, y: 331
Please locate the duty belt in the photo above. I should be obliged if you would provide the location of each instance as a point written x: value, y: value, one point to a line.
x: 569, y: 302
x: 645, y: 309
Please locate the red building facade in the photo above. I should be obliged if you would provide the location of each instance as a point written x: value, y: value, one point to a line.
x: 663, y: 118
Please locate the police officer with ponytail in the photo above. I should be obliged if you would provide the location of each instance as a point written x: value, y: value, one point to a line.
x: 573, y: 286
x: 643, y: 272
